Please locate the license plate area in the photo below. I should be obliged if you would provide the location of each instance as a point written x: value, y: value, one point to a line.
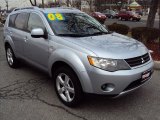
x: 146, y: 75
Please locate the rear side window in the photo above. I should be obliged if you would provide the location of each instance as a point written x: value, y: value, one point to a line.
x: 12, y: 20
x: 20, y: 21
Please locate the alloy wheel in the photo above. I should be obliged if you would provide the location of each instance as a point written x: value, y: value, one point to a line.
x: 65, y: 87
x: 10, y: 56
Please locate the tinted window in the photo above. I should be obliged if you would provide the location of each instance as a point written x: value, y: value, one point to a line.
x: 20, y: 21
x: 12, y: 20
x: 35, y: 22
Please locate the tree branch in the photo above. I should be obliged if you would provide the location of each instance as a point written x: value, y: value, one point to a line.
x: 33, y: 4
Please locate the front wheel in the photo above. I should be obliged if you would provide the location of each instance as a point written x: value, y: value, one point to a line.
x: 11, y: 59
x: 67, y: 86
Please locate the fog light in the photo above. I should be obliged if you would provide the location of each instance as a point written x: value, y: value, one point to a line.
x: 107, y: 87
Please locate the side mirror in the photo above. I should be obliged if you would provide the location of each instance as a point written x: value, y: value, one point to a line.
x: 38, y: 33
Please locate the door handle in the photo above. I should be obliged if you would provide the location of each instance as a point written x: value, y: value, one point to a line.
x: 10, y: 33
x: 25, y: 39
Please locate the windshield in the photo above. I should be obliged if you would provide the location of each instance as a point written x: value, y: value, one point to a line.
x: 74, y: 24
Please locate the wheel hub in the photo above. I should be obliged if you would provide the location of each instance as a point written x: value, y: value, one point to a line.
x: 9, y: 56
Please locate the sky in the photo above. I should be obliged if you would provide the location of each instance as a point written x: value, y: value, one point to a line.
x: 17, y: 3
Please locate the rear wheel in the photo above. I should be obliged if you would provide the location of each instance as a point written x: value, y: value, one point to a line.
x: 67, y: 86
x: 11, y: 59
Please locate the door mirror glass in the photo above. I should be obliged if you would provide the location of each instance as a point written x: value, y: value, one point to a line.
x: 37, y: 33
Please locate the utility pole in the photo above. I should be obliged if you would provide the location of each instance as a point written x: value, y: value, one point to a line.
x: 159, y: 22
x: 43, y: 3
x: 67, y: 3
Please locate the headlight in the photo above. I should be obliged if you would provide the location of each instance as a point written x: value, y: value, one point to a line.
x: 108, y: 64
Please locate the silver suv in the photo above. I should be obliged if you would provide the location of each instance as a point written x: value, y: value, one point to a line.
x: 79, y: 53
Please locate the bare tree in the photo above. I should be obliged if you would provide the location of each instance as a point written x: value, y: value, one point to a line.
x: 76, y: 4
x: 90, y: 3
x: 120, y: 3
x: 6, y: 4
x: 68, y: 2
x: 33, y: 3
x: 152, y: 13
x: 145, y: 5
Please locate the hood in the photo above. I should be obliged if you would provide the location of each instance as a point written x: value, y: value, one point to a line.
x: 113, y: 45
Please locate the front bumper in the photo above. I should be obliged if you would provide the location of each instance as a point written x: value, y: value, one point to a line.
x: 124, y: 81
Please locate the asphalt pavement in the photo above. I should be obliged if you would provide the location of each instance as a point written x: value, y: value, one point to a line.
x: 28, y: 94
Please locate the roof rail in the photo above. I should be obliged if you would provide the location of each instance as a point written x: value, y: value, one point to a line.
x: 63, y: 7
x: 34, y: 7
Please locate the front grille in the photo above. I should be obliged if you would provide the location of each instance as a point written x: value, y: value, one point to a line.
x: 137, y: 83
x: 133, y: 62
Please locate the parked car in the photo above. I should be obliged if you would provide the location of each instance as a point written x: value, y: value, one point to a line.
x: 110, y: 13
x: 128, y: 15
x: 139, y: 12
x: 3, y: 18
x: 99, y: 16
x: 80, y: 55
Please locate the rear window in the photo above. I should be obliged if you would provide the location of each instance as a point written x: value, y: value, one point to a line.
x: 98, y: 13
x: 12, y: 20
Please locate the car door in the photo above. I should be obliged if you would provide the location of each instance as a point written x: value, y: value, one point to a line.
x: 124, y: 15
x: 36, y: 49
x: 18, y: 32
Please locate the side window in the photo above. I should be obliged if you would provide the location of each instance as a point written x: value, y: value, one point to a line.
x: 20, y: 21
x: 35, y: 22
x: 12, y: 20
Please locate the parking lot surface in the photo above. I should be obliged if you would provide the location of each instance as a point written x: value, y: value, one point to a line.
x: 132, y: 24
x: 28, y: 94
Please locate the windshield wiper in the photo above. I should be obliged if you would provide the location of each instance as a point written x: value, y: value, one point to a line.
x: 73, y: 35
x: 99, y: 33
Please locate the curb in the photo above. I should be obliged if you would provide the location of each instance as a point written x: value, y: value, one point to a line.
x: 157, y: 65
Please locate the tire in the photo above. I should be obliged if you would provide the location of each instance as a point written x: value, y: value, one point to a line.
x: 67, y: 86
x: 11, y: 59
x: 131, y: 19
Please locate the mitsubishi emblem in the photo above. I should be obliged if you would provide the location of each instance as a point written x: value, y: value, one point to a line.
x: 142, y: 60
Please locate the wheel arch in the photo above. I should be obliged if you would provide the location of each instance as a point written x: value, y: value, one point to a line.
x: 73, y: 61
x: 6, y: 44
x: 9, y: 42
